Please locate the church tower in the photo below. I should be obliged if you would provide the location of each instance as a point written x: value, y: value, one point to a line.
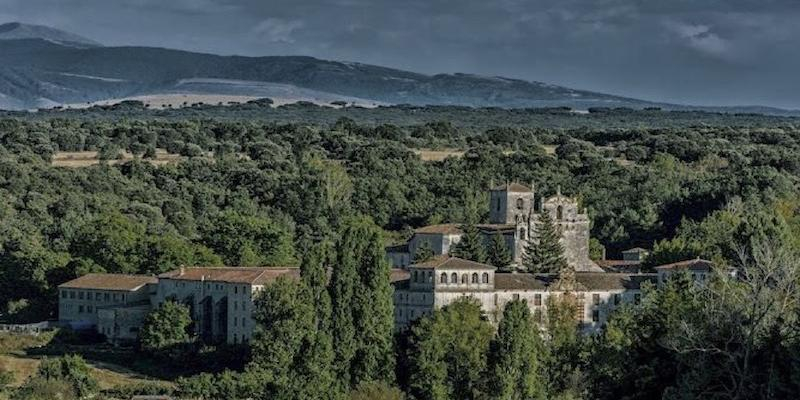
x: 511, y: 203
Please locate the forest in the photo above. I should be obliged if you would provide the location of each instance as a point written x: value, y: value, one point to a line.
x: 327, y: 188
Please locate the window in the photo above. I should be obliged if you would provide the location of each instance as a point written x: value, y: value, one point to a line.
x: 520, y: 204
x: 80, y: 295
x: 516, y: 296
x: 498, y: 204
x: 89, y: 309
x: 596, y: 299
x: 485, y: 278
x: 464, y: 279
x: 560, y: 213
x: 106, y: 297
x: 416, y: 276
x: 430, y: 276
x: 71, y: 295
x: 235, y: 290
x: 235, y: 321
x: 596, y: 316
x: 63, y: 294
x: 80, y: 309
x: 235, y: 306
x: 443, y: 278
x: 522, y: 233
x: 454, y: 278
x: 475, y: 277
x: 116, y: 296
x: 537, y: 299
x: 637, y: 298
x: 616, y: 298
x: 97, y: 296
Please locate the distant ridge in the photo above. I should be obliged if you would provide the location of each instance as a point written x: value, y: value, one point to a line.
x: 18, y: 30
x: 42, y: 67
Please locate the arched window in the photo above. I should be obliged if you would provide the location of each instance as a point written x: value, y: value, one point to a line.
x: 454, y: 278
x: 520, y: 204
x: 443, y: 278
x: 475, y: 277
x: 521, y: 233
x: 464, y: 279
x: 485, y: 278
x: 560, y: 213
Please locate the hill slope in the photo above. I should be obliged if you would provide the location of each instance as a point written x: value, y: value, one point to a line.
x: 43, y: 69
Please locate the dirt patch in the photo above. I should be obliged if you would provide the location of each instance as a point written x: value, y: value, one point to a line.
x: 78, y: 159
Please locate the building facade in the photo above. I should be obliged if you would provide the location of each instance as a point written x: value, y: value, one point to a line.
x: 220, y: 300
x: 513, y: 213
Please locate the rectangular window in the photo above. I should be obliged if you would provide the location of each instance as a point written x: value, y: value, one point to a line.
x: 235, y: 290
x: 63, y: 294
x: 89, y: 309
x: 537, y: 299
x: 80, y: 295
x: 80, y: 309
x: 71, y: 294
x: 98, y: 296
x: 516, y: 296
x: 596, y: 299
x: 235, y: 306
x: 616, y: 298
x: 637, y: 298
x: 106, y: 297
x: 235, y: 321
x: 595, y: 315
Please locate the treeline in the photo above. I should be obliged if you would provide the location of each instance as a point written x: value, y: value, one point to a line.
x: 692, y: 191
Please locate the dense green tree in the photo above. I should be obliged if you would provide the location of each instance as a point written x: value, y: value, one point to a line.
x: 471, y: 246
x: 165, y: 327
x: 52, y: 375
x: 499, y: 254
x: 543, y: 250
x: 424, y: 252
x: 448, y: 353
x: 248, y: 240
x: 113, y: 241
x: 516, y: 357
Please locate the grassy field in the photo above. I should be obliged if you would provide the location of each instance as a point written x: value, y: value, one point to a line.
x: 16, y: 356
x: 78, y: 159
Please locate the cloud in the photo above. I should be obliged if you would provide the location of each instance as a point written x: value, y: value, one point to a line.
x: 700, y: 37
x: 277, y: 30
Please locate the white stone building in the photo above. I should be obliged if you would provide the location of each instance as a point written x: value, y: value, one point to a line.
x: 220, y: 300
x: 437, y: 282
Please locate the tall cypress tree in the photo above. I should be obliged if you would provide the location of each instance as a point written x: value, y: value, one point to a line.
x: 317, y: 370
x: 543, y: 251
x: 363, y: 308
x: 374, y: 315
x: 516, y: 356
x: 499, y: 256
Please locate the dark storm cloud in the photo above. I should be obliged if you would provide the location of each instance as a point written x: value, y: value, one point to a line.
x: 690, y: 51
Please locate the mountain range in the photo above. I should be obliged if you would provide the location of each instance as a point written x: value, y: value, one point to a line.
x: 44, y: 67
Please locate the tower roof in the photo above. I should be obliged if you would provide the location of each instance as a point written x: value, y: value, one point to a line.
x: 511, y: 187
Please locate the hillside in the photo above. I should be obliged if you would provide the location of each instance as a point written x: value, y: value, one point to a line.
x: 44, y: 68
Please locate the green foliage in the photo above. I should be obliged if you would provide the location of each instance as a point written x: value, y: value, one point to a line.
x: 447, y: 353
x: 424, y: 252
x: 250, y: 241
x: 471, y: 246
x: 516, y: 357
x: 63, y: 377
x: 499, y: 255
x: 376, y: 391
x: 543, y: 250
x: 165, y: 328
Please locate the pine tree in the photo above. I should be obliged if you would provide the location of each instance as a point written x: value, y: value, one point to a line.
x: 516, y: 356
x: 423, y: 253
x: 471, y: 246
x: 543, y: 251
x: 344, y: 281
x: 499, y: 256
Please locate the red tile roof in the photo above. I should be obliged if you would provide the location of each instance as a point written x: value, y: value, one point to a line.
x: 249, y: 275
x: 695, y: 265
x: 444, y: 229
x: 119, y: 282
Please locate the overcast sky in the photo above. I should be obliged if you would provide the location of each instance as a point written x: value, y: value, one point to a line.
x: 708, y: 52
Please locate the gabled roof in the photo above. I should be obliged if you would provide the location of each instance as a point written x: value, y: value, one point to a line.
x: 512, y: 187
x: 695, y: 265
x: 248, y: 275
x: 448, y: 262
x: 444, y: 229
x: 121, y: 282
